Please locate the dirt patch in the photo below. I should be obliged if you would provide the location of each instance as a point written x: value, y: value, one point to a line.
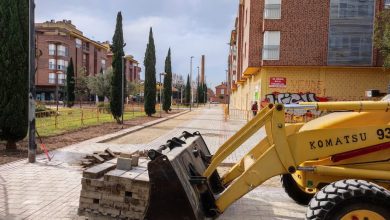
x: 69, y: 138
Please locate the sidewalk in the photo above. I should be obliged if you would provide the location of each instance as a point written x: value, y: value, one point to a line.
x: 50, y: 190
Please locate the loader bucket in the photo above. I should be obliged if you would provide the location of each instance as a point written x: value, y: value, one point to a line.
x: 177, y: 188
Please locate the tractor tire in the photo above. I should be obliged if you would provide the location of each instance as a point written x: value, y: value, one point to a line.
x: 294, y: 191
x: 350, y: 199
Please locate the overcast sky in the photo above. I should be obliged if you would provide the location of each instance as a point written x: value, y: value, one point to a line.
x: 189, y: 27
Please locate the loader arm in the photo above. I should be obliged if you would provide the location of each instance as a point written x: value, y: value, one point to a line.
x: 287, y: 150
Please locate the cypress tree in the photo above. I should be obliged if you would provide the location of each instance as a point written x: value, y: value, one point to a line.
x: 205, y: 92
x: 116, y: 83
x: 188, y: 91
x: 167, y: 83
x: 70, y: 84
x: 14, y: 62
x: 150, y: 76
x: 200, y: 93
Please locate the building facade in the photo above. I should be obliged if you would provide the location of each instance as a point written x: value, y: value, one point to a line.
x: 132, y: 69
x: 289, y: 51
x: 221, y: 94
x: 57, y: 42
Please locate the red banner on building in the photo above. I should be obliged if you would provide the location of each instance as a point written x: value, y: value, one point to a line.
x: 277, y: 82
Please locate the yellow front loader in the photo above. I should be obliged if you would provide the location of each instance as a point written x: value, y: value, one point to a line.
x: 350, y: 146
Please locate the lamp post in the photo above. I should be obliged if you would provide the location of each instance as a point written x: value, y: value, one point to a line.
x: 56, y: 72
x: 210, y: 94
x: 192, y: 93
x: 123, y: 92
x: 197, y: 92
x: 32, y: 146
x: 161, y: 74
x: 181, y: 94
x: 227, y: 89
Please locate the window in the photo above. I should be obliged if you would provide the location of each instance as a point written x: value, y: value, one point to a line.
x: 272, y: 9
x: 271, y: 46
x: 62, y: 51
x: 84, y: 60
x: 52, y: 49
x: 61, y: 78
x: 52, y: 78
x: 79, y: 43
x: 350, y: 32
x: 52, y: 64
x: 103, y: 62
x: 222, y: 91
x: 246, y: 16
x: 61, y: 64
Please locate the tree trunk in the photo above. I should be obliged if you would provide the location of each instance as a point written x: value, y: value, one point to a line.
x: 10, y: 146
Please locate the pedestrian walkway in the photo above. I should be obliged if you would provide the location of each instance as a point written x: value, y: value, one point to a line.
x: 50, y: 190
x: 209, y: 122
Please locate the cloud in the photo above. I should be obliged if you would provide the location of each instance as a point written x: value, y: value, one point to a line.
x: 190, y: 28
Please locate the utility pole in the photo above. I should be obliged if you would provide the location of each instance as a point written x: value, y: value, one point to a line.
x: 32, y: 146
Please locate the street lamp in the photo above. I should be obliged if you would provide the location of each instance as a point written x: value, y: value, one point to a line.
x: 161, y: 74
x: 210, y: 94
x: 181, y: 94
x: 192, y: 92
x: 197, y: 92
x: 32, y: 147
x: 123, y: 92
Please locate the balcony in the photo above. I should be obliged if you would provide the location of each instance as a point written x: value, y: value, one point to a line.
x: 271, y: 52
x: 86, y: 47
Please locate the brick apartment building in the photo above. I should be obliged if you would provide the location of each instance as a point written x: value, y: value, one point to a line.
x: 57, y: 42
x: 290, y: 51
x: 221, y: 94
x: 132, y: 70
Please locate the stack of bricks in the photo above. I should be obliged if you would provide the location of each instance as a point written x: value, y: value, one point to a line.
x: 116, y: 189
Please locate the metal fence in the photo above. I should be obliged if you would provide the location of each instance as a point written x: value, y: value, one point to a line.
x: 51, y: 121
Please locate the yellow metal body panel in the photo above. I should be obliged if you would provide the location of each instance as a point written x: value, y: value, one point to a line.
x: 347, y: 119
x: 287, y: 147
x: 311, y: 181
x: 353, y: 105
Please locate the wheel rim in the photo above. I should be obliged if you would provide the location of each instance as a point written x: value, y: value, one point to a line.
x: 362, y: 215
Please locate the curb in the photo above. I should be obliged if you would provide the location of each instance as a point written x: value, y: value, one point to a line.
x: 118, y: 134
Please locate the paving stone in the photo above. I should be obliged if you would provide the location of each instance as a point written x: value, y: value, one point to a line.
x: 113, y: 176
x: 123, y: 163
x: 98, y: 170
